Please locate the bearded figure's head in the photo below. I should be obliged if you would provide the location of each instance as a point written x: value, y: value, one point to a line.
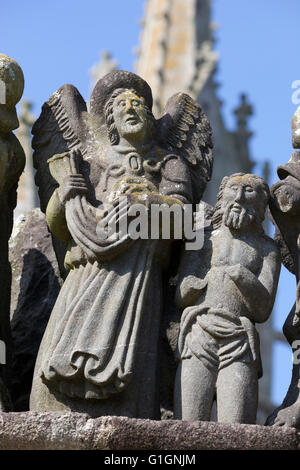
x: 242, y: 201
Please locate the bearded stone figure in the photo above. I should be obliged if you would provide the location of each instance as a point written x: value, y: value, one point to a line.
x: 100, y: 351
x: 224, y: 289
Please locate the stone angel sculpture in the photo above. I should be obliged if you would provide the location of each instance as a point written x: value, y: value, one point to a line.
x: 100, y: 350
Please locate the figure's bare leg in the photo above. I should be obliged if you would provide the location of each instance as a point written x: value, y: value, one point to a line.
x: 195, y: 388
x: 237, y: 393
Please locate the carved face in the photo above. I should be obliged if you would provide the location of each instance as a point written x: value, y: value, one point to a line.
x: 131, y: 116
x: 242, y: 202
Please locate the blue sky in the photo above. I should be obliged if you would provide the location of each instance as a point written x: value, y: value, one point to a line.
x: 57, y: 41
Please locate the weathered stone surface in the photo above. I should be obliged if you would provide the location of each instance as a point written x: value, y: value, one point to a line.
x: 67, y: 431
x: 12, y: 161
x: 285, y: 210
x: 224, y: 288
x: 100, y: 352
x: 35, y: 287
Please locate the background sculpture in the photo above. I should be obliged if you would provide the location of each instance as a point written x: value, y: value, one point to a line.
x: 224, y: 289
x: 12, y: 161
x: 100, y: 351
x: 285, y: 209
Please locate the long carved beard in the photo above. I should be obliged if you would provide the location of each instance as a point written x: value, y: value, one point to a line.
x: 237, y: 220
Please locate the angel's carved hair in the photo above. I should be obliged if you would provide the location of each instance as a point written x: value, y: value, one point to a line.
x: 109, y: 117
x: 257, y: 181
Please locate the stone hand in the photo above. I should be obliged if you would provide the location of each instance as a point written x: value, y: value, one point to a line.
x: 133, y: 184
x: 234, y: 272
x: 189, y: 291
x: 289, y: 416
x: 142, y: 188
x: 72, y: 186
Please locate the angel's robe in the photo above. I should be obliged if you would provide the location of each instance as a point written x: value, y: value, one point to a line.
x: 100, y: 350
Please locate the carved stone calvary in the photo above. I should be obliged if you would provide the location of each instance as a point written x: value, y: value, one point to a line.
x: 100, y: 351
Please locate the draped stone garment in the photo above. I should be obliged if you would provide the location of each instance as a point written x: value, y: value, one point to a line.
x: 98, y: 316
x: 217, y: 337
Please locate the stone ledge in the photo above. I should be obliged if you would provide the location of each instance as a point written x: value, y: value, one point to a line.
x: 69, y: 431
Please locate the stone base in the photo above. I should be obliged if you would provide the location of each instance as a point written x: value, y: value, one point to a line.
x: 73, y: 431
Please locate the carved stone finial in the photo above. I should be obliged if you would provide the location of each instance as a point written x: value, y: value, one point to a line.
x: 242, y: 112
x: 242, y: 133
x: 27, y: 192
x: 105, y: 65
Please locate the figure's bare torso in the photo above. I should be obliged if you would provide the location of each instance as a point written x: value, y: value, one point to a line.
x: 226, y: 250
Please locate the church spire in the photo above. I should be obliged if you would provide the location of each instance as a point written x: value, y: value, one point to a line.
x: 175, y: 51
x: 105, y: 65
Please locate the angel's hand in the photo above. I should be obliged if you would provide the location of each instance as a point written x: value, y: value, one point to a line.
x: 139, y: 188
x: 72, y: 186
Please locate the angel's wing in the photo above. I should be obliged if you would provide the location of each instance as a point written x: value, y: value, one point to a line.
x: 60, y: 127
x: 185, y: 129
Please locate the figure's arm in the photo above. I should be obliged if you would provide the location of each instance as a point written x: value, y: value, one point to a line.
x: 192, y: 277
x: 55, y: 212
x: 189, y: 291
x: 56, y: 220
x: 258, y: 292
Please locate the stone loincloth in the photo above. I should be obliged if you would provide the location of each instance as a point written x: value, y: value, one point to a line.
x: 217, y: 337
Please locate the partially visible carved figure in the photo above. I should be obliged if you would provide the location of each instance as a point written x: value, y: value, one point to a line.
x: 12, y: 161
x: 100, y: 351
x: 224, y: 289
x: 285, y: 210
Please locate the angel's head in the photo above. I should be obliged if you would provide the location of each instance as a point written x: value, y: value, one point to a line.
x: 129, y: 118
x: 242, y: 201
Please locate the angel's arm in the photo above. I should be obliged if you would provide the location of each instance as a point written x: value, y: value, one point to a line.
x: 71, y: 186
x: 192, y: 272
x: 56, y: 219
